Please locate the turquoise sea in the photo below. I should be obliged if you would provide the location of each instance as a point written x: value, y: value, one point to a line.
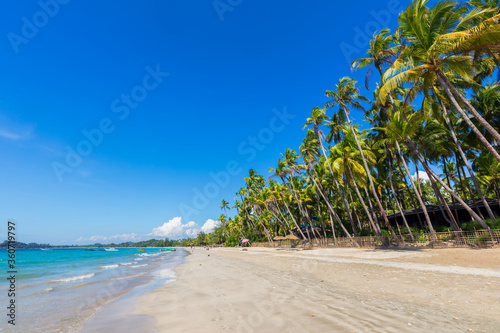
x: 59, y: 290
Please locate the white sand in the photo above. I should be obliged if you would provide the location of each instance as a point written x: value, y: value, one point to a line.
x: 331, y: 290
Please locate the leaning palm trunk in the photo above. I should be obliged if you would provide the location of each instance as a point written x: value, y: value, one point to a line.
x: 411, y: 194
x: 464, y: 158
x: 372, y: 210
x: 295, y: 221
x: 397, y: 201
x: 320, y: 215
x: 372, y: 186
x: 342, y: 194
x: 347, y: 192
x: 296, y: 194
x: 483, y: 140
x: 266, y: 232
x: 299, y: 205
x: 277, y: 218
x: 354, y: 209
x: 431, y: 173
x: 332, y: 211
x: 344, y: 201
x: 276, y: 202
x: 419, y: 197
x: 442, y: 203
x: 375, y: 226
x: 444, y: 80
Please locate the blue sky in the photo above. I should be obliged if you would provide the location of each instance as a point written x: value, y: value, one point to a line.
x: 172, y: 93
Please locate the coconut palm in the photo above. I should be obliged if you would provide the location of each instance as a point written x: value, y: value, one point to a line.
x: 224, y: 206
x: 346, y: 95
x: 439, y: 47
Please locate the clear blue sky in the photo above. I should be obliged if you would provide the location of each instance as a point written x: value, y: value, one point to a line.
x: 87, y: 66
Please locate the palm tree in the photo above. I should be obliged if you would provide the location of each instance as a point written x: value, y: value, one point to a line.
x: 413, y: 122
x: 464, y: 158
x: 381, y: 52
x: 439, y: 48
x: 488, y: 173
x: 224, y: 206
x: 344, y: 96
x: 487, y: 103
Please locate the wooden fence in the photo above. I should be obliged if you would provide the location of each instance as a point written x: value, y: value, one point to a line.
x: 476, y: 238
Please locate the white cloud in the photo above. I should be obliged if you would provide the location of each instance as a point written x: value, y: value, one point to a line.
x: 209, y: 226
x: 173, y: 229
x: 422, y: 175
x: 133, y: 237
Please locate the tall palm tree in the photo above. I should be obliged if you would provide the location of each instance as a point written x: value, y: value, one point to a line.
x: 346, y: 95
x: 224, y: 206
x: 439, y: 47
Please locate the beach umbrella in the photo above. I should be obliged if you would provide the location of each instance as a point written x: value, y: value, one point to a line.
x: 291, y: 237
x: 279, y: 238
x: 246, y: 240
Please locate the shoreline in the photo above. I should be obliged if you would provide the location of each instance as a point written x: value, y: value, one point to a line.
x: 342, y: 290
x: 118, y: 313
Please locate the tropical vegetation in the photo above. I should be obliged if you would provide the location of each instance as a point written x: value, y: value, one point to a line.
x: 435, y: 106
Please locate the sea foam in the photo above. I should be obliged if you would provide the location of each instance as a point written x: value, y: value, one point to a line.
x: 74, y: 278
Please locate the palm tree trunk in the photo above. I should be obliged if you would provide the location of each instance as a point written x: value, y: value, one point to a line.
x: 375, y: 226
x: 483, y: 140
x: 419, y: 197
x: 331, y: 210
x: 445, y: 169
x: 460, y: 179
x: 276, y: 217
x: 299, y: 205
x: 320, y: 215
x: 304, y: 208
x: 396, y: 199
x: 411, y: 194
x: 431, y: 173
x: 344, y: 200
x: 442, y: 203
x: 368, y: 174
x: 278, y: 208
x: 373, y: 213
x: 295, y: 222
x: 355, y: 210
x: 347, y: 192
x: 469, y: 106
x: 266, y: 232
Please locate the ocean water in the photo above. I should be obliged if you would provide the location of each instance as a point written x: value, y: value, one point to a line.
x: 59, y: 290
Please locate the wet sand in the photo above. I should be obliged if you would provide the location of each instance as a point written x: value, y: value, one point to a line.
x: 330, y: 290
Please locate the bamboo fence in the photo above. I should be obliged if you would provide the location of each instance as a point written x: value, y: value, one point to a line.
x: 476, y: 238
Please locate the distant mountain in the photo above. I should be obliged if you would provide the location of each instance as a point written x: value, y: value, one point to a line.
x: 21, y: 245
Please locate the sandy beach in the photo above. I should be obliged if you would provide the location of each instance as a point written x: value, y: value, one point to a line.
x: 330, y: 290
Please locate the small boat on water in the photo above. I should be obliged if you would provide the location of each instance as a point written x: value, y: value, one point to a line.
x: 46, y: 249
x: 141, y: 250
x: 90, y: 249
x: 110, y: 249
